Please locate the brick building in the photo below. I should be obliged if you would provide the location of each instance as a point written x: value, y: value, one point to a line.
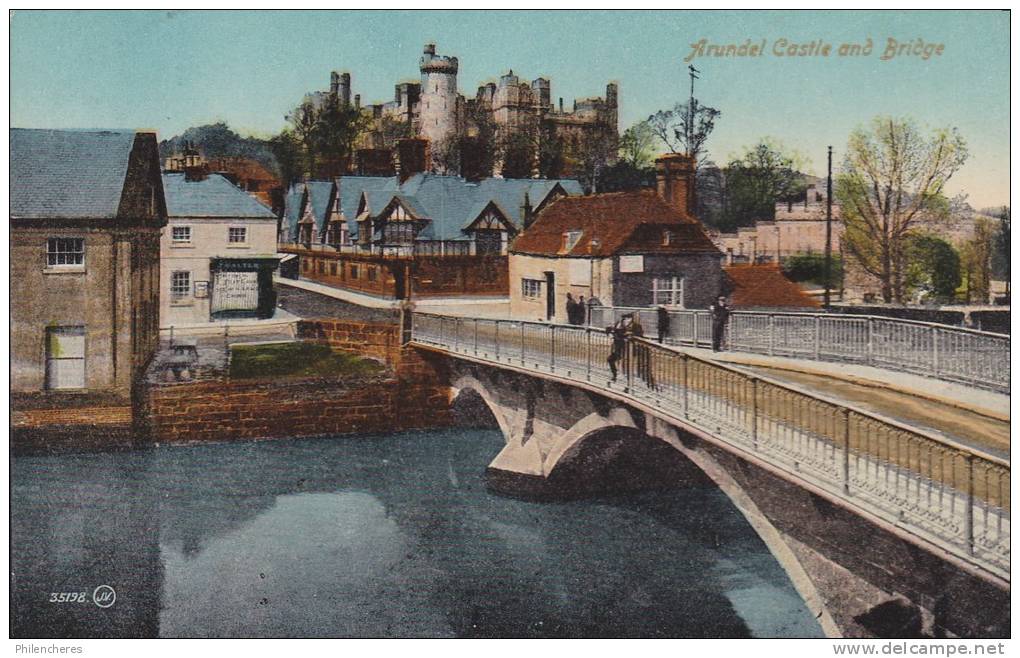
x: 623, y: 249
x: 419, y: 234
x: 87, y: 208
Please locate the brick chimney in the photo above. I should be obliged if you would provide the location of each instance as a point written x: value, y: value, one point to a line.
x: 412, y: 157
x: 674, y: 180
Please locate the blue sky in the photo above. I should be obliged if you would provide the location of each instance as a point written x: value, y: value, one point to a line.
x: 170, y: 70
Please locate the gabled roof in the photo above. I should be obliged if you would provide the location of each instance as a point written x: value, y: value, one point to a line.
x: 213, y: 196
x: 292, y: 209
x: 617, y: 223
x: 68, y: 173
x: 764, y: 286
x: 449, y: 203
x: 320, y: 194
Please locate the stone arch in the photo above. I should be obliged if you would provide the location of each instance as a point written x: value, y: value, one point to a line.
x: 470, y: 383
x: 655, y: 429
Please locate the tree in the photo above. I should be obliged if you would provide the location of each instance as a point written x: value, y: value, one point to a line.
x: 933, y: 268
x: 685, y: 128
x: 592, y: 156
x: 637, y: 145
x: 530, y: 148
x: 976, y: 255
x: 336, y: 127
x: 893, y: 179
x: 757, y: 180
x: 1000, y: 255
x: 286, y: 148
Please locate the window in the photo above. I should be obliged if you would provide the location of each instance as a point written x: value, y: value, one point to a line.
x: 531, y: 288
x: 181, y: 233
x: 65, y: 357
x: 354, y: 271
x: 322, y: 267
x: 332, y: 269
x: 668, y: 291
x: 371, y: 272
x: 570, y: 238
x: 180, y: 285
x: 65, y: 252
x: 237, y: 234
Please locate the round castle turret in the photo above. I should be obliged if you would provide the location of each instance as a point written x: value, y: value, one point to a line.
x: 438, y: 113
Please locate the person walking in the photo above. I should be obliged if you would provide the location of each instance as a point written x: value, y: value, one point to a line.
x: 619, y: 332
x: 720, y: 315
x: 662, y: 319
x: 582, y: 311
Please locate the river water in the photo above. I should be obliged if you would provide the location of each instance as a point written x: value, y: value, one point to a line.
x: 374, y: 536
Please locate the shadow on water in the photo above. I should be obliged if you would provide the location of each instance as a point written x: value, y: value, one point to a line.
x: 380, y: 536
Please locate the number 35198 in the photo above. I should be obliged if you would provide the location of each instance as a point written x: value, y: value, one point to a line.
x: 68, y: 597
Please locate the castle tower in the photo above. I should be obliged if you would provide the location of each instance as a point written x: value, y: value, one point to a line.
x: 438, y: 105
x: 543, y: 92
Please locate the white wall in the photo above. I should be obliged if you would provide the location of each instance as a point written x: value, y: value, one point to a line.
x: 208, y: 240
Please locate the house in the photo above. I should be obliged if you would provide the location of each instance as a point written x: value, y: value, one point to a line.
x: 413, y: 234
x: 623, y: 249
x: 764, y: 287
x: 86, y: 209
x: 218, y: 251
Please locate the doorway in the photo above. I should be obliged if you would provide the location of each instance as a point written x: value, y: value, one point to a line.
x: 550, y: 296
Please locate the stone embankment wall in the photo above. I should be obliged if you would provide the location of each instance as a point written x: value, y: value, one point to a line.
x: 412, y: 394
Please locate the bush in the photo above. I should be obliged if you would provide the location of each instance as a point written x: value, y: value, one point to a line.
x: 811, y: 268
x: 297, y: 359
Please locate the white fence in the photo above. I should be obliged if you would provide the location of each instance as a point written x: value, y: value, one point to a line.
x: 942, y: 492
x: 977, y: 358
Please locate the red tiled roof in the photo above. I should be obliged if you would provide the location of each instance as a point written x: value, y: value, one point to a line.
x: 764, y: 286
x: 620, y: 222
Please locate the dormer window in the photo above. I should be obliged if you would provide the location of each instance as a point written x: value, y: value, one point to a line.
x: 570, y: 239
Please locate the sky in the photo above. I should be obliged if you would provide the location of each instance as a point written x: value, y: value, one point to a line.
x: 169, y: 70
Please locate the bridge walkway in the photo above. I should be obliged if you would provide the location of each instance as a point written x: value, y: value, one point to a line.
x: 946, y: 493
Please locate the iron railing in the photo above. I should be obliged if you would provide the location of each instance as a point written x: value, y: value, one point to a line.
x: 421, y: 248
x: 956, y: 354
x: 938, y: 490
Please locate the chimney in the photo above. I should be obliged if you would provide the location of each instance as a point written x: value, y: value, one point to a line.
x: 472, y: 157
x: 561, y: 105
x: 674, y: 180
x: 412, y: 157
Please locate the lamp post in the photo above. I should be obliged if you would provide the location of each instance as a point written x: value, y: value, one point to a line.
x: 828, y: 235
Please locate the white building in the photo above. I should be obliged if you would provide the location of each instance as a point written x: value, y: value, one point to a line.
x: 217, y: 251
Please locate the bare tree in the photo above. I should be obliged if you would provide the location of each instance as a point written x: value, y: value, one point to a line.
x: 685, y: 128
x: 893, y: 178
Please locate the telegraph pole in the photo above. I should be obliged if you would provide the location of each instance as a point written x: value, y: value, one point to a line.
x: 693, y: 72
x: 828, y: 235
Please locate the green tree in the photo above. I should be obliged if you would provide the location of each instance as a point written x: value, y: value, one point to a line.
x: 286, y: 149
x: 637, y: 145
x: 976, y: 254
x: 336, y: 128
x: 893, y: 179
x: 757, y: 180
x: 1000, y: 256
x: 933, y: 268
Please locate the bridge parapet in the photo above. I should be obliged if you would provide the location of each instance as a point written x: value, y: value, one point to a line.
x: 955, y: 354
x: 941, y: 494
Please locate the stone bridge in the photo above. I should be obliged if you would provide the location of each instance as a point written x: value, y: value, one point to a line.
x: 871, y: 550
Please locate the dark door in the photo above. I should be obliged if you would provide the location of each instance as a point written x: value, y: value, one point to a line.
x: 398, y: 281
x: 550, y: 296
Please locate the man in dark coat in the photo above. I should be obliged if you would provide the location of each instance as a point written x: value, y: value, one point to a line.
x: 662, y: 317
x: 720, y: 315
x: 571, y: 309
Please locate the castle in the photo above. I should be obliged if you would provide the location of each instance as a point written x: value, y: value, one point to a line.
x: 434, y: 110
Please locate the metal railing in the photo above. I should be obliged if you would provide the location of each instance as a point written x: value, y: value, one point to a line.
x: 956, y: 354
x: 943, y: 492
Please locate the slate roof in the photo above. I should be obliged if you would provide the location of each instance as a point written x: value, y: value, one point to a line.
x: 764, y: 286
x: 449, y: 203
x: 320, y: 193
x: 68, y: 173
x: 213, y: 196
x: 292, y: 209
x: 618, y: 222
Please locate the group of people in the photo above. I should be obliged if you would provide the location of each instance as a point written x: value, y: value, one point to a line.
x: 629, y: 326
x: 577, y: 310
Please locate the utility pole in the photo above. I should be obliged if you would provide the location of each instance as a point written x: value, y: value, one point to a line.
x: 693, y: 72
x: 828, y: 235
